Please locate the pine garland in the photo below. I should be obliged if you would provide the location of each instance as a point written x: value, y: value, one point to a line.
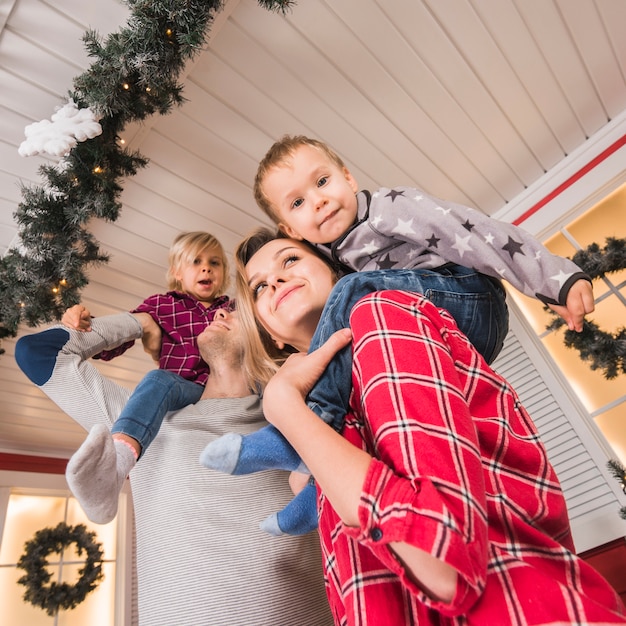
x: 134, y: 75
x: 601, y: 349
x: 54, y: 596
x: 619, y: 472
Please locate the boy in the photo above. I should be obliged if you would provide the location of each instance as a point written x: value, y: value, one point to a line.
x: 412, y: 242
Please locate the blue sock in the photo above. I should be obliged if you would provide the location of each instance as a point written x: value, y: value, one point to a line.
x: 245, y: 454
x: 297, y: 518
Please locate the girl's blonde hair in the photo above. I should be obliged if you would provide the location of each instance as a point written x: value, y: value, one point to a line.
x: 280, y: 154
x: 262, y: 358
x: 185, y: 248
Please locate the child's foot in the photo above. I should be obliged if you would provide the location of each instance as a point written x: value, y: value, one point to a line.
x: 222, y: 454
x: 96, y: 474
x: 245, y: 454
x: 297, y: 518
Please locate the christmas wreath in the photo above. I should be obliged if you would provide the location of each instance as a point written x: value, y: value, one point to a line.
x: 603, y: 350
x: 54, y: 596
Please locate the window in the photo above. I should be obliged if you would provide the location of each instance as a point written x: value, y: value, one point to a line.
x: 605, y: 400
x: 29, y: 511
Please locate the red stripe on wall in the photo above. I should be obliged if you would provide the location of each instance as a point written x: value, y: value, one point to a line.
x: 572, y: 179
x: 26, y: 463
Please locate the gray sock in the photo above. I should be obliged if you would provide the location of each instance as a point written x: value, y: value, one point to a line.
x: 96, y: 473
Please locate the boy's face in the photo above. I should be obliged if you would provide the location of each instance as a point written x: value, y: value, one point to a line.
x: 313, y: 198
x: 203, y: 277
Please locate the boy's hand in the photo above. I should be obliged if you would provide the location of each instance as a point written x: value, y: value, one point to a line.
x: 77, y: 318
x: 152, y: 335
x: 579, y: 303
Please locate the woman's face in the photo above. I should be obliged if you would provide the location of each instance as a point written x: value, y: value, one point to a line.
x: 290, y: 285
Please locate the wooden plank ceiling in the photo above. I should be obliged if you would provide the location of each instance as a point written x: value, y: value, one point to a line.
x: 471, y: 100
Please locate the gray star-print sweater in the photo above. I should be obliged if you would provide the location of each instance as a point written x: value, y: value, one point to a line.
x: 405, y: 228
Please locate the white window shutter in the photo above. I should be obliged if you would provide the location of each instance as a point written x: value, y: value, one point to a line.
x: 576, y: 448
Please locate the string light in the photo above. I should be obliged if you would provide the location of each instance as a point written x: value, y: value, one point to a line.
x: 169, y: 66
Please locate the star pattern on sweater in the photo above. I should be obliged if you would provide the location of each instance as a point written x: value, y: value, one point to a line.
x: 386, y: 263
x: 489, y: 238
x: 394, y: 193
x: 404, y: 227
x: 512, y: 247
x: 433, y: 241
x: 461, y: 244
x: 375, y: 221
x: 468, y: 226
x: 370, y: 247
x: 443, y: 210
x: 561, y: 277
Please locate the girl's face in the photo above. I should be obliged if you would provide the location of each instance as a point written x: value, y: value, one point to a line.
x: 202, y: 277
x: 290, y: 286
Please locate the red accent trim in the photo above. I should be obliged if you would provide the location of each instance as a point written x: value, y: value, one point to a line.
x: 26, y: 463
x: 572, y: 179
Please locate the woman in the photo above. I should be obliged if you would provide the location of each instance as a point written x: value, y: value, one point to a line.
x: 438, y: 504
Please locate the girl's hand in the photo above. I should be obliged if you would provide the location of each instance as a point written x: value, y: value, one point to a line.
x: 77, y: 318
x: 291, y: 384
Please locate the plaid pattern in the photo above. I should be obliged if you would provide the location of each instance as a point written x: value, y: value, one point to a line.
x: 459, y: 472
x: 181, y: 318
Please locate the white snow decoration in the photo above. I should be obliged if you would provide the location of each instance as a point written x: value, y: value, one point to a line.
x: 57, y: 137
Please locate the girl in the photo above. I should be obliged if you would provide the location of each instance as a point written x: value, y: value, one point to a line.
x: 437, y: 501
x: 197, y: 278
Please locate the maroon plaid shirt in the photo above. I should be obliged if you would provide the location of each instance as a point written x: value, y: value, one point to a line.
x: 459, y: 472
x: 181, y: 318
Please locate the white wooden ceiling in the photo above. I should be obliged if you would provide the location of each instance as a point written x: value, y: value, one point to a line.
x: 471, y: 100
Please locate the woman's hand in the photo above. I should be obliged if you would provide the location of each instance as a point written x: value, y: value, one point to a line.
x: 290, y: 386
x: 78, y: 318
x: 151, y: 335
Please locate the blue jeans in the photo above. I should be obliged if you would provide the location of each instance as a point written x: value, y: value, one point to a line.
x: 475, y: 301
x: 158, y: 392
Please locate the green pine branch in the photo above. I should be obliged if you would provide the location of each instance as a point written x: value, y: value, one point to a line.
x: 619, y: 472
x: 134, y: 74
x: 601, y: 349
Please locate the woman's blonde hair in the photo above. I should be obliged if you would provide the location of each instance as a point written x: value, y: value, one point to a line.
x: 262, y: 357
x: 185, y: 248
x: 280, y: 153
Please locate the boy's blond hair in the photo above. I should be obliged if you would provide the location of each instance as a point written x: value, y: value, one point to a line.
x: 280, y: 154
x: 185, y: 248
